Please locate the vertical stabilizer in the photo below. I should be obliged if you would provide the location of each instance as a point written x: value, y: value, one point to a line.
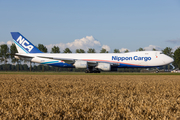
x: 23, y: 45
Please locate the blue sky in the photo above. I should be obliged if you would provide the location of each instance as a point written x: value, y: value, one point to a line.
x: 113, y: 24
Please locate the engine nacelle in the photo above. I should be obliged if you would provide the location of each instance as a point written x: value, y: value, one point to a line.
x: 104, y: 66
x: 80, y: 64
x: 17, y: 57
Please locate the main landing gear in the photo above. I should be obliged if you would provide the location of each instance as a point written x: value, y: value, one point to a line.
x: 96, y: 71
x: 92, y: 70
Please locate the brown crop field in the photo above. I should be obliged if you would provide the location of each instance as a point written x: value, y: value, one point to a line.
x: 89, y: 96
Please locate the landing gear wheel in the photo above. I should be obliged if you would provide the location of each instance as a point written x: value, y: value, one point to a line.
x: 87, y: 71
x: 92, y: 70
x: 97, y: 71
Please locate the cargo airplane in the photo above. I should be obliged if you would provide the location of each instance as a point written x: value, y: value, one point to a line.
x: 92, y: 62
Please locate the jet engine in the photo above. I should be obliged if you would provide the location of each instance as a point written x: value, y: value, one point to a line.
x: 80, y: 64
x: 104, y: 66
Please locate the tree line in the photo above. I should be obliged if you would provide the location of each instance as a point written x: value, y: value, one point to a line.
x: 39, y: 68
x: 7, y: 55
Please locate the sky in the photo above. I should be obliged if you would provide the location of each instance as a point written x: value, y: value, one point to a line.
x: 83, y: 24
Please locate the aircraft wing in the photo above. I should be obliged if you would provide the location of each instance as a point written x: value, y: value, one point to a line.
x: 66, y: 60
x: 71, y: 61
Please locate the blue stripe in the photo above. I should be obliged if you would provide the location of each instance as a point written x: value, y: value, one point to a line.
x: 66, y: 65
x: 61, y: 64
x: 50, y: 62
x: 21, y: 47
x: 124, y: 65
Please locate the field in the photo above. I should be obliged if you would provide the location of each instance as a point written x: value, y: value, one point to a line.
x: 89, y: 96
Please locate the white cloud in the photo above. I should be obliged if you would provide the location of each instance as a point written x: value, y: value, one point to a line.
x: 124, y: 49
x: 174, y: 49
x: 150, y: 47
x: 83, y: 43
x: 106, y: 47
x: 2, y: 43
x: 174, y: 41
x: 8, y: 43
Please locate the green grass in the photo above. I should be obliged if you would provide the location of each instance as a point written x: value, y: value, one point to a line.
x: 82, y: 73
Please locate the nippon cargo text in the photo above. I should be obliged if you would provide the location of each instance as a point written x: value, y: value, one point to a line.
x: 131, y: 58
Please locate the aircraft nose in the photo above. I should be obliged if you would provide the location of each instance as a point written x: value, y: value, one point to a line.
x: 170, y: 60
x: 167, y: 60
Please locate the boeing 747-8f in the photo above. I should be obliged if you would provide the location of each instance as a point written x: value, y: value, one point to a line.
x: 93, y: 62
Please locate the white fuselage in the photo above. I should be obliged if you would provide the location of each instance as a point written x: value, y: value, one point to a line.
x: 94, y: 62
x: 131, y: 59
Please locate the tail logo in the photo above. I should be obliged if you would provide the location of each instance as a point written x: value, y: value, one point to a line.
x: 24, y: 43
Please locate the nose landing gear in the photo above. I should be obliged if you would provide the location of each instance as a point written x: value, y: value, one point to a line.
x: 157, y: 70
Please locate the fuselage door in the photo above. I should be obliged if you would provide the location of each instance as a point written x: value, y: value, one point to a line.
x: 156, y: 54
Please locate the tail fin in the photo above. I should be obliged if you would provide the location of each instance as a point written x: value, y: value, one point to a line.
x: 23, y: 45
